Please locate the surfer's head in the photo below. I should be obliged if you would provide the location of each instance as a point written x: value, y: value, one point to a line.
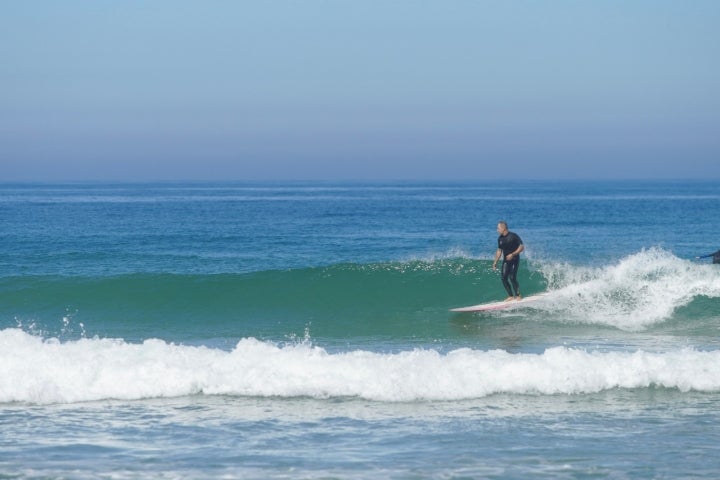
x: 502, y: 227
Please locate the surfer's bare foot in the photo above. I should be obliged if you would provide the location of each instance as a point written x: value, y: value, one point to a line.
x: 519, y: 297
x: 509, y: 299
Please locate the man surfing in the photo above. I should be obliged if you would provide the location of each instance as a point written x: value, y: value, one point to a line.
x: 509, y: 246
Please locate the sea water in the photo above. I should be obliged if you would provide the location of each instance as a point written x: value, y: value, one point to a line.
x: 302, y: 330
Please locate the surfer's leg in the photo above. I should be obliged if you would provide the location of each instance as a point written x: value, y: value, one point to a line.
x: 513, y: 277
x: 506, y: 271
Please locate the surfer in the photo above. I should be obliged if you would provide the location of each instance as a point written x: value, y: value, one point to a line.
x: 715, y: 256
x: 509, y: 246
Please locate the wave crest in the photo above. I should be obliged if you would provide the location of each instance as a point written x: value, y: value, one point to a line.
x: 640, y: 290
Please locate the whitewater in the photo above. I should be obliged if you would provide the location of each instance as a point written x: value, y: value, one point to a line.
x: 47, y: 371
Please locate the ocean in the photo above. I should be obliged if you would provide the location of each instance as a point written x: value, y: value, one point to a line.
x: 302, y: 330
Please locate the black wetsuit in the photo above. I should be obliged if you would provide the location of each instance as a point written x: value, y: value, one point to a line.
x: 508, y: 244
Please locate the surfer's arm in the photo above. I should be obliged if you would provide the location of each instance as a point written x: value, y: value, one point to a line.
x: 517, y: 252
x: 498, y: 253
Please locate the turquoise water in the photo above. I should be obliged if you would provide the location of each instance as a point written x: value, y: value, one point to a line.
x: 303, y: 330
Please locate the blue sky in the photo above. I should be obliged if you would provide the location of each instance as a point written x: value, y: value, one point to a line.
x: 361, y: 90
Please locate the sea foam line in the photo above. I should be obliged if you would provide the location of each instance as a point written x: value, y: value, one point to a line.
x: 43, y: 371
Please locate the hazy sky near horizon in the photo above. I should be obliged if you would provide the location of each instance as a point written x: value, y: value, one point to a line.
x: 359, y: 90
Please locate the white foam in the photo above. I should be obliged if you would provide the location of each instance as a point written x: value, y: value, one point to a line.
x: 639, y: 291
x: 42, y: 371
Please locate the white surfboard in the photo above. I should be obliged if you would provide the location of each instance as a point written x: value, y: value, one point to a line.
x: 484, y: 307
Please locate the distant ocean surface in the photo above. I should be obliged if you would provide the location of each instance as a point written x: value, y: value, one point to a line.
x: 302, y: 330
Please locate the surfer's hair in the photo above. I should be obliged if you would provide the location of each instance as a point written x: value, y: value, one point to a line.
x: 503, y: 223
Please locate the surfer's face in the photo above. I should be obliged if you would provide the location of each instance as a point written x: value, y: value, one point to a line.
x: 501, y: 229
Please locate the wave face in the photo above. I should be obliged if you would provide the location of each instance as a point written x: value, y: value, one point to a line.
x: 47, y: 371
x: 341, y: 300
x: 641, y: 291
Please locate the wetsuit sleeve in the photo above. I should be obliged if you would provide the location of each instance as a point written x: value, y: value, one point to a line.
x: 517, y: 242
